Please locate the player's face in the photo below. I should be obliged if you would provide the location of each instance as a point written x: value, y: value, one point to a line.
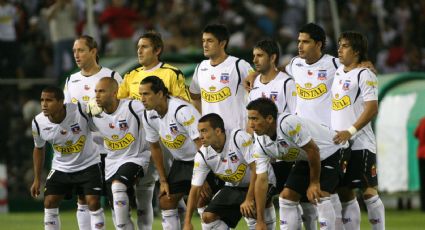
x: 257, y: 122
x: 83, y: 56
x: 146, y: 53
x: 212, y: 47
x: 262, y: 61
x: 149, y: 98
x: 49, y: 104
x: 104, y: 94
x: 206, y: 133
x: 346, y: 54
x: 307, y: 47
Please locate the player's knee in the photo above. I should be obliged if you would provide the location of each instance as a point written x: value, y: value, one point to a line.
x: 93, y: 202
x: 51, y: 202
x: 209, y: 217
x: 369, y: 193
x: 166, y: 203
x: 289, y: 194
x: 346, y: 194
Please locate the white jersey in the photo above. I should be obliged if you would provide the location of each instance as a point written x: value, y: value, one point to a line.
x: 70, y: 139
x: 293, y: 133
x: 349, y: 93
x: 80, y: 88
x: 123, y: 136
x: 231, y: 164
x: 222, y: 91
x: 281, y: 90
x: 313, y: 83
x: 176, y: 130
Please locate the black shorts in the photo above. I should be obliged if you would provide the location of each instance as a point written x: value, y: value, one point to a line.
x: 102, y: 166
x: 180, y: 177
x: 85, y: 182
x: 126, y: 174
x: 281, y: 171
x: 330, y: 174
x: 226, y: 204
x: 360, y: 172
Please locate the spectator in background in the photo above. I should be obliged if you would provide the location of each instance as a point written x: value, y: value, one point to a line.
x: 420, y: 135
x: 119, y: 19
x: 9, y: 45
x: 62, y: 20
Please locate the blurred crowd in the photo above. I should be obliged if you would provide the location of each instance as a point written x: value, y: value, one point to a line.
x: 36, y: 39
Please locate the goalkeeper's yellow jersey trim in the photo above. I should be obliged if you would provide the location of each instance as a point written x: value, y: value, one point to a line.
x: 171, y: 76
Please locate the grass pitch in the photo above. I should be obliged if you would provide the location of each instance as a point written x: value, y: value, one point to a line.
x: 395, y: 220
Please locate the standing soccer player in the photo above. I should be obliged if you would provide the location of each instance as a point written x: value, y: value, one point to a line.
x: 79, y: 87
x: 271, y: 83
x: 354, y: 105
x: 173, y: 122
x: 228, y: 154
x: 124, y: 140
x: 149, y: 50
x: 216, y: 85
x: 74, y: 166
x: 315, y: 173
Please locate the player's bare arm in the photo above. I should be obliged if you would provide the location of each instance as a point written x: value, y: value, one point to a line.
x: 313, y: 192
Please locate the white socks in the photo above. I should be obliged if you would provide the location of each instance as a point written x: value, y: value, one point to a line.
x: 216, y: 225
x: 170, y: 219
x: 289, y: 215
x: 326, y: 214
x: 200, y: 211
x: 83, y: 217
x: 144, y: 195
x: 51, y: 219
x: 309, y: 216
x: 97, y: 219
x: 270, y: 218
x: 121, y: 204
x: 338, y: 211
x: 351, y: 215
x: 375, y: 212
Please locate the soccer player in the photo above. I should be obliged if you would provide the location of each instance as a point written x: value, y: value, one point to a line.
x: 216, y: 85
x: 75, y: 166
x: 271, y: 83
x: 128, y: 153
x: 228, y: 154
x: 315, y: 173
x: 79, y: 87
x: 149, y: 49
x: 354, y: 105
x: 173, y: 122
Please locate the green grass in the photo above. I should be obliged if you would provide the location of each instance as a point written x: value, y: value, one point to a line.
x: 395, y: 220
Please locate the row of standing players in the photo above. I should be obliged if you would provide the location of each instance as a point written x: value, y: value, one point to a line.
x: 299, y: 157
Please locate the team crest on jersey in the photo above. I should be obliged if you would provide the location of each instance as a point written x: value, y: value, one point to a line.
x: 346, y: 85
x: 321, y: 75
x: 309, y: 73
x: 224, y: 78
x: 86, y: 87
x: 233, y: 157
x: 283, y: 143
x: 123, y: 124
x: 213, y: 77
x: 173, y: 128
x: 273, y: 95
x: 63, y: 131
x: 111, y: 125
x: 75, y: 128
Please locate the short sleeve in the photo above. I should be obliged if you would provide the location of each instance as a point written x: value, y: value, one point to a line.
x: 294, y: 129
x: 245, y: 68
x: 152, y: 134
x: 200, y: 170
x: 368, y: 86
x: 194, y: 85
x: 38, y: 141
x: 288, y: 67
x: 291, y: 96
x: 261, y: 159
x: 188, y: 117
x: 245, y: 142
x: 117, y: 77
